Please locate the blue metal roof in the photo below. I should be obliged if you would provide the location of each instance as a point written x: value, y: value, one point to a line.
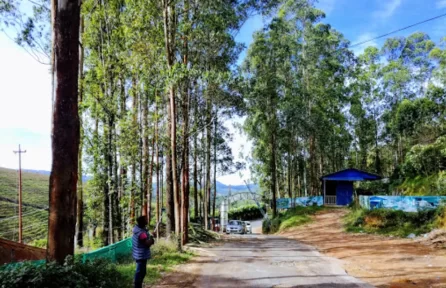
x: 351, y: 175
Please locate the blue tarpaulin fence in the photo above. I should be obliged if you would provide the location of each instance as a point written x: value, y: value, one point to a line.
x: 286, y: 203
x: 403, y: 203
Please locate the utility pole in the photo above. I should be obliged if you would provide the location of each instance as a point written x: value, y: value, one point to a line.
x: 20, y: 192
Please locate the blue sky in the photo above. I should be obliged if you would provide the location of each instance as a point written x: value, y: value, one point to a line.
x: 25, y: 98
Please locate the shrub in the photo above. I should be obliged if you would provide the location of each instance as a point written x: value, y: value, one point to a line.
x: 246, y: 212
x: 266, y: 226
x: 290, y: 218
x: 393, y: 222
x: 41, y: 243
x: 163, y: 246
x: 98, y: 273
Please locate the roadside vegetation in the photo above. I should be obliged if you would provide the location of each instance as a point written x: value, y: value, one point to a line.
x: 96, y: 273
x: 164, y: 257
x: 290, y: 218
x: 246, y: 212
x: 395, y: 223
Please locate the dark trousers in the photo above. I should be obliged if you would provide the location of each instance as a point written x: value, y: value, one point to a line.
x: 141, y: 267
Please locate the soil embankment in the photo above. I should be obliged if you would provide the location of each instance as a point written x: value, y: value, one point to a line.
x: 379, y: 260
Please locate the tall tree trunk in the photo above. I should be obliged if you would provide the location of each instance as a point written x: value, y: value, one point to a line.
x: 122, y: 166
x: 80, y: 202
x: 110, y: 181
x: 215, y: 168
x: 207, y: 192
x: 170, y: 208
x: 149, y: 184
x: 145, y: 155
x: 169, y: 41
x: 196, y: 208
x: 65, y: 136
x: 117, y: 210
x: 313, y: 166
x: 134, y: 157
x: 273, y: 173
x: 157, y: 167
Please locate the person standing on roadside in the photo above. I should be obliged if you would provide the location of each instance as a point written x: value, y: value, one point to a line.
x: 141, y: 242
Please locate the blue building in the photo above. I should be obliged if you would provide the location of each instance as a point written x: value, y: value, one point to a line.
x: 338, y: 186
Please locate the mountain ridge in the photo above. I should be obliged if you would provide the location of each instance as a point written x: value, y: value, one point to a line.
x: 222, y: 189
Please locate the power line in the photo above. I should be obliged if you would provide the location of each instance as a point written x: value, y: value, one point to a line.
x: 398, y: 30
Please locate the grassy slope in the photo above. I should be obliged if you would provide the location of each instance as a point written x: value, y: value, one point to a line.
x: 394, y: 223
x: 35, y: 186
x: 35, y: 191
x: 290, y: 218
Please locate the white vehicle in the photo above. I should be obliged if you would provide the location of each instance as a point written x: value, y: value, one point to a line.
x: 236, y: 227
x: 248, y: 227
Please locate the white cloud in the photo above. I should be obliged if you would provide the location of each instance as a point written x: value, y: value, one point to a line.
x: 364, y: 37
x: 387, y: 9
x: 326, y: 5
x: 441, y: 4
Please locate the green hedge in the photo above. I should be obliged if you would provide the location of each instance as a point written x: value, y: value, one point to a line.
x: 246, y: 212
x: 97, y: 273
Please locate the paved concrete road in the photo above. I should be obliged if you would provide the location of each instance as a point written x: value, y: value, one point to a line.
x: 261, y: 261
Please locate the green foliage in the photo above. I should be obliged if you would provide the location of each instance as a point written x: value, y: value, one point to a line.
x: 290, y: 218
x: 71, y: 274
x: 164, y: 256
x: 393, y: 222
x: 41, y: 243
x: 246, y: 212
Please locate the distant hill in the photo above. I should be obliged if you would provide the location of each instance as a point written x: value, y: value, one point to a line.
x: 44, y: 172
x: 222, y: 189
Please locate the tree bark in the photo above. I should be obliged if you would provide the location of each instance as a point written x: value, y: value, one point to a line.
x: 149, y: 184
x: 157, y: 167
x: 134, y: 157
x: 215, y: 169
x: 273, y: 173
x: 145, y: 156
x: 80, y: 203
x: 66, y: 134
x: 207, y: 192
x: 196, y: 208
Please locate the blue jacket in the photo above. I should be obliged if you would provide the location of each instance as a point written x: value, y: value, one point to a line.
x: 139, y: 249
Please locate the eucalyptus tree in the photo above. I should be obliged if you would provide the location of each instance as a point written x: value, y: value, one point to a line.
x: 65, y: 136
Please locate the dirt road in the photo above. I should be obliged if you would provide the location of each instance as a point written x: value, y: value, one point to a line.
x: 381, y: 261
x: 261, y: 261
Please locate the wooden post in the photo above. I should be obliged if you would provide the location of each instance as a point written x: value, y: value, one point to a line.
x: 20, y: 193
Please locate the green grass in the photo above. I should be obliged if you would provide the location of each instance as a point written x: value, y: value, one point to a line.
x: 290, y: 218
x: 164, y: 258
x: 393, y: 223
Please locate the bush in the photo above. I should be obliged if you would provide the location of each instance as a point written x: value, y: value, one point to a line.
x: 266, y: 226
x: 163, y: 246
x: 393, y: 222
x: 41, y: 243
x: 291, y: 218
x: 246, y: 212
x: 97, y: 273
